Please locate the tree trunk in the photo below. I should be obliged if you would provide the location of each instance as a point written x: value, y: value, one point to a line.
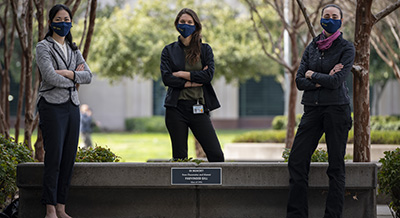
x: 39, y: 149
x: 20, y: 98
x: 199, y: 150
x: 362, y: 139
x: 293, y: 88
x: 28, y: 81
x: 92, y: 19
x: 292, y: 111
x: 5, y: 85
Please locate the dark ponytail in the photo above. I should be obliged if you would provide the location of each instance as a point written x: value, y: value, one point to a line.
x: 53, y: 11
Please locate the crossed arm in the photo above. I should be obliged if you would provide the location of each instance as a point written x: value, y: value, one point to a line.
x: 186, y: 75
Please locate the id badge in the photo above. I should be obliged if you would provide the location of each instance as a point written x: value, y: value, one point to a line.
x: 198, y: 109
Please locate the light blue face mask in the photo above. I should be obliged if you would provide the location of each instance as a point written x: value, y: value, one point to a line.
x: 331, y: 25
x: 185, y: 29
x: 61, y: 28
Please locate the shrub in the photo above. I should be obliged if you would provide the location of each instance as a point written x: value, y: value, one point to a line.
x: 276, y: 136
x: 11, y: 154
x: 146, y: 124
x: 391, y: 123
x: 319, y: 155
x: 280, y: 122
x: 96, y: 154
x: 389, y: 178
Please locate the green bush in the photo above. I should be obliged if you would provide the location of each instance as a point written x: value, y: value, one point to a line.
x: 278, y: 136
x: 280, y: 122
x: 319, y: 155
x: 275, y: 136
x: 11, y: 154
x: 146, y: 124
x: 391, y: 123
x: 96, y: 154
x: 389, y: 178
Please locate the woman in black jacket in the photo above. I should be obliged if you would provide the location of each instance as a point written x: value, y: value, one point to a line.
x: 325, y: 65
x: 187, y: 69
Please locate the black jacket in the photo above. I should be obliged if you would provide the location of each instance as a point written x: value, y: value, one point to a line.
x: 173, y: 60
x: 333, y: 90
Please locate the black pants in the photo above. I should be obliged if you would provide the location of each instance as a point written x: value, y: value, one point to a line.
x: 60, y: 129
x: 179, y: 119
x: 335, y: 121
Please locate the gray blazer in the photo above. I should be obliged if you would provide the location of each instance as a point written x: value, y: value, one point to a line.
x: 54, y: 88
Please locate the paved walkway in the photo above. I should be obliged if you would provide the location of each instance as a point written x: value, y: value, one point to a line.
x: 383, y: 211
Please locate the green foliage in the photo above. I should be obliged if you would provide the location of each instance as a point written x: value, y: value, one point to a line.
x: 319, y: 155
x: 389, y: 178
x: 197, y: 161
x: 146, y: 124
x: 129, y: 41
x: 385, y: 137
x: 11, y: 154
x: 96, y: 154
x: 276, y: 136
x: 385, y: 123
x: 280, y: 122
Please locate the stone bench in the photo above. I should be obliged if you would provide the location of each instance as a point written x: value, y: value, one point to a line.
x: 144, y: 190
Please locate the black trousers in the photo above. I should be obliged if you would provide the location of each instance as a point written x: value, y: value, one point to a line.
x: 60, y: 128
x: 179, y: 119
x: 335, y: 121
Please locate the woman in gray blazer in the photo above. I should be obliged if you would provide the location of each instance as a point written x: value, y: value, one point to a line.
x: 61, y: 67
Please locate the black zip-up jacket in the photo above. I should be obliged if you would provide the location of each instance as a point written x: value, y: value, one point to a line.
x: 173, y: 60
x: 333, y: 90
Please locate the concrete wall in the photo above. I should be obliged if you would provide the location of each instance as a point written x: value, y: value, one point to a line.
x: 389, y: 104
x: 144, y: 190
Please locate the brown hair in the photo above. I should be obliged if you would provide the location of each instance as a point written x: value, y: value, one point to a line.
x: 193, y: 52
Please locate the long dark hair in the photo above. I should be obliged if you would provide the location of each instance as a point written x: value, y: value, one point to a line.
x: 193, y: 53
x: 53, y: 11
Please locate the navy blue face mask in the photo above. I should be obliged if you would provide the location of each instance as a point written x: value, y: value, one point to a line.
x: 61, y: 28
x: 185, y: 29
x: 331, y: 25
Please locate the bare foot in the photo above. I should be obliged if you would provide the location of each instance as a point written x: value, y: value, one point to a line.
x: 50, y: 211
x: 60, y: 208
x: 63, y: 215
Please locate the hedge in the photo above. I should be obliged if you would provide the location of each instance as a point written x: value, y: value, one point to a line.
x: 146, y: 124
x: 279, y: 136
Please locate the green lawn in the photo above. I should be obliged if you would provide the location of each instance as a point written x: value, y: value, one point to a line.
x: 139, y: 147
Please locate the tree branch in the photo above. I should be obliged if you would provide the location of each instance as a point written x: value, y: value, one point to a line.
x: 306, y: 17
x: 389, y: 9
x: 263, y: 46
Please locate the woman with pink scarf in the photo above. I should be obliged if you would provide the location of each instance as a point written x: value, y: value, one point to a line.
x: 325, y: 65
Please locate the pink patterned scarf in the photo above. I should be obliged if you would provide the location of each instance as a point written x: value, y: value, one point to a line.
x: 326, y: 43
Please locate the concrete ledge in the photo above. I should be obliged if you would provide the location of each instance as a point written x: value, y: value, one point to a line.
x: 145, y: 190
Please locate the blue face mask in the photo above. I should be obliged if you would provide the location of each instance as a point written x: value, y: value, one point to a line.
x: 331, y: 25
x: 185, y: 29
x: 61, y: 28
